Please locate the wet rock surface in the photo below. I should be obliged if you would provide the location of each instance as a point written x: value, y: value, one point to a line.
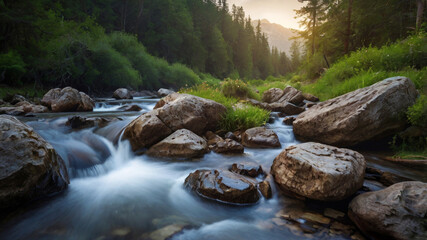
x: 319, y: 171
x: 228, y: 146
x: 80, y: 122
x: 190, y: 112
x: 397, y: 212
x: 285, y: 107
x: 247, y: 169
x: 122, y: 93
x: 212, y: 138
x: 146, y: 130
x: 288, y: 120
x: 67, y: 100
x: 29, y: 166
x: 358, y: 116
x: 181, y: 144
x: 131, y: 108
x: 222, y: 185
x: 260, y: 137
x: 22, y: 108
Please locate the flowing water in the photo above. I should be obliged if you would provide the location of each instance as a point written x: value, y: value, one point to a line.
x: 114, y: 194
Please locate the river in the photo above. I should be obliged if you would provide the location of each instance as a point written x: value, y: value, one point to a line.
x: 115, y: 194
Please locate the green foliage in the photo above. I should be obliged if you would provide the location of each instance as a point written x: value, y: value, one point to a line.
x: 279, y: 83
x: 238, y: 89
x: 236, y: 118
x: 326, y: 90
x: 29, y: 91
x: 204, y: 90
x: 243, y: 118
x: 410, y: 148
x: 417, y: 114
x: 313, y: 66
x: 370, y: 65
x: 12, y: 68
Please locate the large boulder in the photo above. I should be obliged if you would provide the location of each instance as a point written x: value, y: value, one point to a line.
x: 29, y: 166
x: 67, y: 99
x: 145, y: 131
x: 397, y: 212
x: 358, y: 116
x: 292, y: 95
x: 224, y: 186
x: 319, y: 171
x: 272, y: 95
x: 181, y: 144
x: 122, y: 93
x: 260, y: 137
x: 190, y: 112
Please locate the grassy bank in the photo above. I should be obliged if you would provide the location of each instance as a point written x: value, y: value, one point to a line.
x: 27, y: 91
x: 239, y: 116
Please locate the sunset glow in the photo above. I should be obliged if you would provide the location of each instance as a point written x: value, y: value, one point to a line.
x: 276, y: 11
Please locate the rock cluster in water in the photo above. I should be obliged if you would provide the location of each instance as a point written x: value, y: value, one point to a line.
x: 67, y: 99
x: 288, y: 101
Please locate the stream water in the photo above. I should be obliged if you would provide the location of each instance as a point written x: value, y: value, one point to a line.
x: 114, y: 194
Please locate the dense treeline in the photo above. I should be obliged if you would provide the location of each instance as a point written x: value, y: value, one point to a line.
x: 334, y: 28
x: 100, y: 45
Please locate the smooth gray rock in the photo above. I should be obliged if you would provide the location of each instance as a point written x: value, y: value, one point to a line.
x: 319, y: 171
x: 181, y: 144
x: 397, y: 212
x: 372, y: 112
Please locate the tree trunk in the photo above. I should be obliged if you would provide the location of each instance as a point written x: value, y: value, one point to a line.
x: 313, y: 30
x: 420, y: 11
x: 124, y: 15
x: 348, y: 33
x: 139, y: 17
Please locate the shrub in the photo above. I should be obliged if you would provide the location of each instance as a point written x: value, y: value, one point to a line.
x: 12, y: 68
x: 417, y: 114
x: 237, y: 89
x: 244, y: 118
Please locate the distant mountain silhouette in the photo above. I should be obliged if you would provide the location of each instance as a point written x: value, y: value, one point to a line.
x: 278, y: 35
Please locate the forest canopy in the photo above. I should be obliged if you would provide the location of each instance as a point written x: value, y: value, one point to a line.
x: 96, y: 45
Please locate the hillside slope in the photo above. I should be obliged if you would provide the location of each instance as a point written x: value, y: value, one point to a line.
x: 278, y: 36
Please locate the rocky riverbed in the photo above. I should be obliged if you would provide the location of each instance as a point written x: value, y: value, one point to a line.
x: 161, y: 172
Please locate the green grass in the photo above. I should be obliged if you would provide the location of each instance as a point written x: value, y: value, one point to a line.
x: 327, y: 90
x: 238, y: 89
x: 213, y: 93
x: 370, y: 65
x: 235, y: 118
x: 413, y: 155
x: 26, y: 91
x: 417, y: 114
x: 244, y: 118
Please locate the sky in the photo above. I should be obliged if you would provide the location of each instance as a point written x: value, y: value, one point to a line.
x: 275, y: 11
